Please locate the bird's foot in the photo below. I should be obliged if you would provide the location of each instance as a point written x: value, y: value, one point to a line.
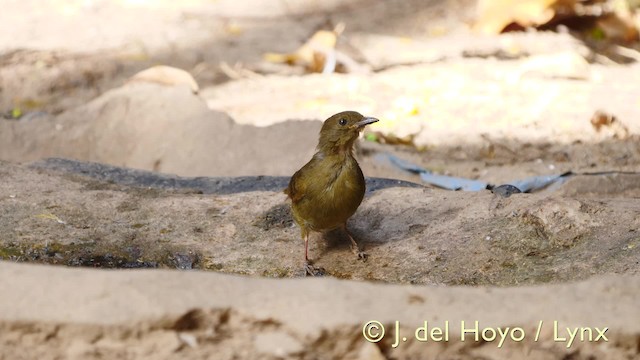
x: 360, y: 254
x: 310, y: 270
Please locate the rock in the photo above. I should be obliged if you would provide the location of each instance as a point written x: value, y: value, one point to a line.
x: 277, y: 343
x: 166, y: 129
x: 166, y: 75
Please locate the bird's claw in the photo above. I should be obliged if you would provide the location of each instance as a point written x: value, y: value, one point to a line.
x: 361, y: 255
x: 310, y: 270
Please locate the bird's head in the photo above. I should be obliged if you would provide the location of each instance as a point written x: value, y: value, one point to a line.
x: 341, y: 130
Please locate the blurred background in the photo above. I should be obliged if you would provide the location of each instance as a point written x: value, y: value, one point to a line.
x: 483, y: 89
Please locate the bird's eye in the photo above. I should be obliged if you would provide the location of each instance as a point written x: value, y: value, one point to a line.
x: 342, y: 122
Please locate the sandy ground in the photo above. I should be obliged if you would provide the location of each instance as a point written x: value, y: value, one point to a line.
x: 413, y: 235
x: 79, y: 214
x: 206, y: 198
x: 160, y: 314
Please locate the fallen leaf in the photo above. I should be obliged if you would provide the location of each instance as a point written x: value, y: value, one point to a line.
x: 390, y: 139
x: 618, y: 28
x: 233, y: 29
x: 317, y: 54
x: 16, y: 113
x: 602, y: 120
x: 494, y: 16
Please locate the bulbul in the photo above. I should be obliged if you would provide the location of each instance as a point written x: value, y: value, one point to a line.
x: 327, y: 191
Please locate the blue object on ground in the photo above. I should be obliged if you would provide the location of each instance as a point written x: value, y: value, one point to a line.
x: 530, y: 184
x: 402, y: 164
x: 442, y: 181
x: 535, y: 183
x: 453, y: 183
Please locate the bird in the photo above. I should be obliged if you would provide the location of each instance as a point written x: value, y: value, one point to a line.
x: 327, y: 191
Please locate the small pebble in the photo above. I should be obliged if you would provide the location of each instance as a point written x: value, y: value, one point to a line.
x: 188, y: 339
x: 505, y: 190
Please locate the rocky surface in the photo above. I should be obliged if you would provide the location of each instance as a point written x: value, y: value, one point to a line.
x: 412, y: 234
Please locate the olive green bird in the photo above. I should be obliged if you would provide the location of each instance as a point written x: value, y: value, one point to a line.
x: 326, y: 192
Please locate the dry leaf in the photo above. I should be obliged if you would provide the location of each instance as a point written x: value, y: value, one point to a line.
x: 618, y: 28
x: 317, y: 54
x: 495, y: 15
x: 233, y: 28
x: 602, y: 120
x: 390, y: 139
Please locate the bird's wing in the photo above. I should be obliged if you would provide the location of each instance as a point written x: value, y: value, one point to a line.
x: 296, y: 188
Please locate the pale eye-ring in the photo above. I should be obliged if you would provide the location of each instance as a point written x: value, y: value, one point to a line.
x: 342, y: 122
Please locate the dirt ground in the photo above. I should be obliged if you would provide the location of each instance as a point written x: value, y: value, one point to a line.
x: 156, y: 174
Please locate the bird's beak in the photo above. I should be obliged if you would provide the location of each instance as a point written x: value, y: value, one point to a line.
x: 364, y: 122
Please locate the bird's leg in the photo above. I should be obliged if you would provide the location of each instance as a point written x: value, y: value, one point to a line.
x: 309, y: 269
x: 354, y: 246
x: 306, y: 247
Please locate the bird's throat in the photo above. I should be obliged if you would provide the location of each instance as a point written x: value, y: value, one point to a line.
x: 338, y: 147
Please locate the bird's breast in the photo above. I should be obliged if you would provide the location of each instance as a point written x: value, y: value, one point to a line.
x: 335, y: 198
